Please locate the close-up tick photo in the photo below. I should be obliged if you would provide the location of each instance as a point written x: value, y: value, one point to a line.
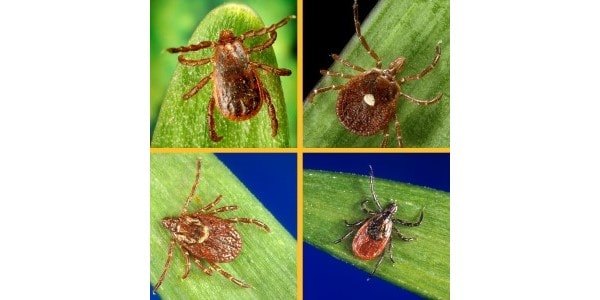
x: 376, y: 227
x: 225, y: 80
x: 212, y: 237
x: 385, y: 85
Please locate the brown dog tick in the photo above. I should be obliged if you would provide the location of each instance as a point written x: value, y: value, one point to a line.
x: 202, y: 236
x: 367, y: 103
x: 374, y: 233
x: 237, y: 89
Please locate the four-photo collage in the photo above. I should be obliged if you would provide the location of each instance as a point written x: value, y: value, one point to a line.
x: 300, y: 149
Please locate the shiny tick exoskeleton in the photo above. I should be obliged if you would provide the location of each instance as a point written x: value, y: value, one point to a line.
x: 374, y: 233
x: 238, y: 91
x: 205, y: 238
x: 367, y: 103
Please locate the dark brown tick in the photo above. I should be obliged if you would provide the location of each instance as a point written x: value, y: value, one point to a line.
x: 237, y: 89
x: 367, y: 103
x: 202, y: 236
x: 374, y: 233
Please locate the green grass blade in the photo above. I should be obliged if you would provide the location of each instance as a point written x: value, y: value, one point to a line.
x: 393, y: 28
x: 184, y: 123
x: 267, y: 261
x: 422, y: 266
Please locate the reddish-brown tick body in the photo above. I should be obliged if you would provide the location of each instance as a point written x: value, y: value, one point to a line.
x: 374, y: 233
x: 205, y: 238
x: 237, y: 89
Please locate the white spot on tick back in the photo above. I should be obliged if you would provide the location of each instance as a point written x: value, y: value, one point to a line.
x: 369, y: 99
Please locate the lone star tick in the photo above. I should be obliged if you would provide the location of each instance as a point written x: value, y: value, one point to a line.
x: 237, y: 89
x: 367, y: 103
x: 202, y: 236
x: 374, y: 233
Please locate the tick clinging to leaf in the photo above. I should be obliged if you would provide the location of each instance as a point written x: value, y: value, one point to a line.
x: 367, y: 103
x: 238, y: 91
x: 374, y: 233
x: 205, y: 238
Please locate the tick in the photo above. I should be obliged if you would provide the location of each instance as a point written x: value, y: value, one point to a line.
x: 238, y: 91
x: 367, y: 103
x: 374, y: 233
x: 205, y: 238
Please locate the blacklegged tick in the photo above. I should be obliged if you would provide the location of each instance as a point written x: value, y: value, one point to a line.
x: 367, y: 103
x: 237, y: 89
x: 204, y: 237
x: 374, y: 233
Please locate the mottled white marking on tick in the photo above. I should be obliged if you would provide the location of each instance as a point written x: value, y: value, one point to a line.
x: 204, y: 235
x: 369, y: 99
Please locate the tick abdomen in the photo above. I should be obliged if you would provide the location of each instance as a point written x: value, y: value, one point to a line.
x: 367, y: 102
x: 236, y: 86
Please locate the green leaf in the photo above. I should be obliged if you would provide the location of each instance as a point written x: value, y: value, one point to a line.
x: 393, y: 28
x: 267, y: 261
x: 184, y: 123
x: 422, y: 266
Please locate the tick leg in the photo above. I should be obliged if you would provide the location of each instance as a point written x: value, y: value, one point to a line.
x: 264, y: 30
x: 197, y: 87
x: 363, y: 206
x: 402, y: 237
x: 276, y: 71
x: 211, y: 121
x: 417, y: 223
x: 436, y: 58
x: 423, y: 102
x: 398, y: 132
x: 363, y: 41
x: 264, y: 45
x: 355, y: 224
x: 229, y: 276
x: 385, y: 139
x: 266, y: 97
x: 250, y: 221
x: 212, y: 204
x: 347, y: 63
x: 223, y: 209
x: 193, y: 62
x: 377, y: 265
x: 204, y: 269
x: 187, y: 264
x: 167, y: 265
x: 372, y: 186
x: 322, y: 90
x: 345, y: 236
x: 390, y: 249
x: 193, y: 47
x: 193, y: 191
x: 335, y: 74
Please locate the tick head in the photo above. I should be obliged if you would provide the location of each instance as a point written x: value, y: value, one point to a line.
x: 396, y: 66
x: 390, y: 210
x: 170, y: 223
x: 226, y: 37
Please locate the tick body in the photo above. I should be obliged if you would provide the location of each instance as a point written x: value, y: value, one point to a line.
x: 238, y: 92
x: 367, y: 103
x: 205, y: 238
x: 374, y: 233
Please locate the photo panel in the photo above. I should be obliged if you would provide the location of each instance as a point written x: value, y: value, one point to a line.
x: 218, y: 80
x: 395, y: 81
x: 335, y: 188
x: 246, y: 240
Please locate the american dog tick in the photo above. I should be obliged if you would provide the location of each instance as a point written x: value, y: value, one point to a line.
x: 203, y: 236
x: 237, y: 89
x: 374, y: 233
x: 367, y: 103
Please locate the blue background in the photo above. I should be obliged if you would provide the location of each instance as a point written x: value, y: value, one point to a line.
x: 326, y: 276
x: 271, y: 177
